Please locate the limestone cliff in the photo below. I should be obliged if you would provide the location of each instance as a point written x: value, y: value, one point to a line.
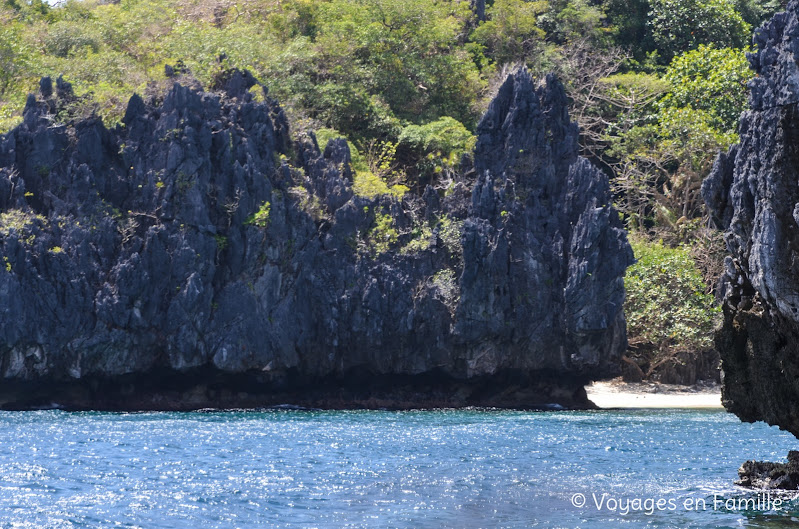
x: 197, y: 256
x: 753, y: 194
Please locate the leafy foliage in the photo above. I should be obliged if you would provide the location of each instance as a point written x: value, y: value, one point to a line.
x: 15, y: 56
x: 681, y: 25
x: 755, y: 12
x: 448, y: 290
x: 404, y: 50
x: 711, y: 80
x: 383, y: 234
x: 665, y: 134
x: 19, y: 221
x: 435, y: 146
x: 666, y: 304
x: 446, y: 135
x: 380, y: 166
x: 449, y: 231
x: 567, y: 20
x: 261, y: 217
x: 369, y: 185
x: 629, y: 26
x: 512, y: 32
x: 662, y: 167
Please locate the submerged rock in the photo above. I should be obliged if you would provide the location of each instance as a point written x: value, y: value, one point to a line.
x: 753, y: 194
x: 195, y: 256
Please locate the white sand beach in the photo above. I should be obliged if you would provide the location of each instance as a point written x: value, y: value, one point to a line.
x: 618, y: 394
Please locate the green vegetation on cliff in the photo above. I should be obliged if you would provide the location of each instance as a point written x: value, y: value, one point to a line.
x: 670, y: 317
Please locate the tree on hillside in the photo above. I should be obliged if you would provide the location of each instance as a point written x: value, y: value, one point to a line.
x: 511, y: 32
x: 681, y: 25
x: 712, y: 80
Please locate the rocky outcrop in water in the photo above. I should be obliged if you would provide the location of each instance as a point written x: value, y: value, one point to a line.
x: 197, y: 256
x: 753, y: 194
x: 766, y: 475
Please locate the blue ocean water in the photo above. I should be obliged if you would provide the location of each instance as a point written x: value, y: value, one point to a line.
x: 460, y: 469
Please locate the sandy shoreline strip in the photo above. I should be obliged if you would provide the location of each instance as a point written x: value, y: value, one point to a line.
x: 615, y: 394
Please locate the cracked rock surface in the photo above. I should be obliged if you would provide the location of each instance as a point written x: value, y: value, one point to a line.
x: 197, y: 256
x: 753, y: 194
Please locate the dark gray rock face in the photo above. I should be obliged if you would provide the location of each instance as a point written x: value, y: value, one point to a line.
x: 753, y: 194
x: 766, y: 475
x: 198, y: 257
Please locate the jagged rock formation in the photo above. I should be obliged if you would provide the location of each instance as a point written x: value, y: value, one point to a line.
x: 753, y: 194
x: 197, y: 257
x: 766, y: 475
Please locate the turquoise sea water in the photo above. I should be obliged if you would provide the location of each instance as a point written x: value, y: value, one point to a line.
x: 459, y: 469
